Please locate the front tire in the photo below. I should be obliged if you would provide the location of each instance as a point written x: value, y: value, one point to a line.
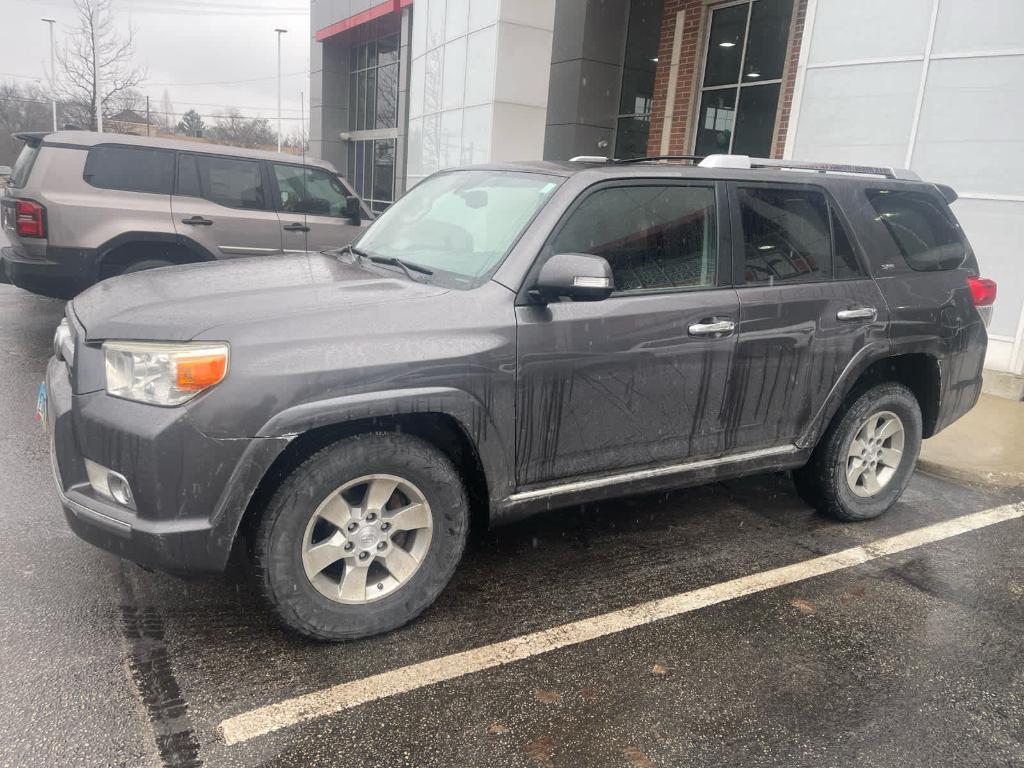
x: 865, y: 459
x: 362, y: 537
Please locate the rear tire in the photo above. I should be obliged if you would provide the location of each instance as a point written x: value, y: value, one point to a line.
x: 337, y: 555
x: 865, y: 459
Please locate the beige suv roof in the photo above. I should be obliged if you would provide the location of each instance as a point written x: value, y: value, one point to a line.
x: 90, y: 139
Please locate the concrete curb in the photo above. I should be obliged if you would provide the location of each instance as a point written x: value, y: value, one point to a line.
x: 974, y: 477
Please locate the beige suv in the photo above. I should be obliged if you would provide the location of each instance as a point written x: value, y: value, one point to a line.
x: 81, y: 207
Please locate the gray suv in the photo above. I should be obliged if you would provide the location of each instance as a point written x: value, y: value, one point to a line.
x: 509, y: 339
x: 81, y: 207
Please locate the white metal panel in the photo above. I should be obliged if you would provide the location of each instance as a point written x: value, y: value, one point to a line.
x: 979, y: 25
x: 869, y: 29
x: 857, y: 114
x: 970, y: 134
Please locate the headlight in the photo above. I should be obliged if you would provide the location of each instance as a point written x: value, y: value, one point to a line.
x: 163, y: 374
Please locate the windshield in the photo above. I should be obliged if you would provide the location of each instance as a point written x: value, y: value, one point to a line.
x: 23, y: 165
x: 463, y: 222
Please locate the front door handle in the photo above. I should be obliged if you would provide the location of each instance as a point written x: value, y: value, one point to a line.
x: 197, y: 221
x: 712, y: 328
x: 861, y: 313
x: 296, y: 227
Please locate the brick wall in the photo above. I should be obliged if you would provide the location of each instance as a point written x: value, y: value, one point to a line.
x: 691, y: 57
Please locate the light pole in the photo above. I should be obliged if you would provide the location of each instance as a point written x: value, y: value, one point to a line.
x: 96, y: 76
x: 53, y: 71
x: 279, y: 33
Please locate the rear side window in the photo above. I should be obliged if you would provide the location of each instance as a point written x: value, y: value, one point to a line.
x: 23, y: 165
x: 131, y: 169
x: 223, y: 180
x: 920, y: 228
x: 654, y: 237
x: 786, y: 235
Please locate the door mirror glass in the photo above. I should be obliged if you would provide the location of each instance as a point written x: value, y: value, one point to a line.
x: 577, y: 276
x: 353, y: 211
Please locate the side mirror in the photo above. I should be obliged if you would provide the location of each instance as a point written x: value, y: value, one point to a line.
x: 578, y: 276
x: 353, y: 211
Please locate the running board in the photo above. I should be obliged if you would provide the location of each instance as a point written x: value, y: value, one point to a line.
x: 647, y: 474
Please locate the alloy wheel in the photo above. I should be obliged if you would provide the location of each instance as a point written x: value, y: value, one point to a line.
x: 875, y: 453
x: 367, y: 539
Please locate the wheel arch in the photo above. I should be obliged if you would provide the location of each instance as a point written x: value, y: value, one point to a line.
x: 917, y: 369
x: 164, y: 245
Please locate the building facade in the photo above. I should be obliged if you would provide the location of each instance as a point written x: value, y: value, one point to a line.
x: 403, y: 88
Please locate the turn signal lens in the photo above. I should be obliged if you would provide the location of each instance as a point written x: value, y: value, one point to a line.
x: 198, y: 373
x: 163, y: 374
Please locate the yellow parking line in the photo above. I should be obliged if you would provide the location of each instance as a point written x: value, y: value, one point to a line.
x: 272, y: 717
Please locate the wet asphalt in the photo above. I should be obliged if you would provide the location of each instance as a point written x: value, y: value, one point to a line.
x: 914, y: 659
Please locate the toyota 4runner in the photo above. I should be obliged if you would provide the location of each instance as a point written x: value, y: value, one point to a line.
x: 509, y: 339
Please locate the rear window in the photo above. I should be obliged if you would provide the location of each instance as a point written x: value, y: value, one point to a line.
x: 131, y: 169
x: 23, y: 165
x: 921, y: 229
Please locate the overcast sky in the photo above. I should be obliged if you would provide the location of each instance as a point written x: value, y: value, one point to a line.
x: 183, y: 45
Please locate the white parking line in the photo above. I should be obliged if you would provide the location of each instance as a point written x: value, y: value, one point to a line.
x: 272, y: 717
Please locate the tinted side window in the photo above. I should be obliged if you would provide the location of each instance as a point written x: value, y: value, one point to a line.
x: 132, y: 169
x: 654, y: 237
x: 310, y: 191
x: 232, y: 183
x: 786, y: 235
x: 188, y: 177
x: 920, y: 228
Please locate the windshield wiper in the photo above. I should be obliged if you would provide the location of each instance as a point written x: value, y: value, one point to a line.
x: 407, y: 266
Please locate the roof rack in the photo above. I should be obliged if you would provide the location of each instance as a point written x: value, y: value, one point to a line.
x: 746, y: 162
x: 588, y: 159
x: 655, y: 158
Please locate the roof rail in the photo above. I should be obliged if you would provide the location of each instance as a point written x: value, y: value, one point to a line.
x: 655, y: 158
x: 745, y: 162
x: 588, y: 159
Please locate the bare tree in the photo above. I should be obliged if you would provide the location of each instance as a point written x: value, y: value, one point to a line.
x: 232, y: 128
x: 95, y: 58
x: 166, y: 117
x: 22, y: 108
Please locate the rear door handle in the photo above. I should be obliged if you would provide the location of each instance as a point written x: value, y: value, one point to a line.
x: 197, y: 221
x: 296, y: 227
x: 713, y: 328
x: 861, y: 313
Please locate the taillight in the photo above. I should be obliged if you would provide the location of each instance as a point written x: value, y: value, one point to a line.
x: 29, y: 219
x: 983, y: 291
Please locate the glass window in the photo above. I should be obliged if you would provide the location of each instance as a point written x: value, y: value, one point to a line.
x: 231, y: 182
x: 655, y: 237
x: 845, y: 261
x: 921, y: 229
x: 132, y: 169
x: 188, y: 177
x: 310, y: 191
x: 460, y: 223
x: 745, y: 57
x: 786, y: 235
x: 638, y: 72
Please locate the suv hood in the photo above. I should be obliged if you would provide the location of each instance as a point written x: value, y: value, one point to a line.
x: 179, y: 303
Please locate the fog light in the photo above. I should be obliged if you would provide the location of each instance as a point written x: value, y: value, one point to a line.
x: 111, y: 484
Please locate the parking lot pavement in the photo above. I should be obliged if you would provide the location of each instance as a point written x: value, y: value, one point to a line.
x: 911, y: 658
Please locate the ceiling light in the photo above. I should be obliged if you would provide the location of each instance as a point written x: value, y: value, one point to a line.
x: 655, y: 59
x: 753, y: 74
x: 727, y: 44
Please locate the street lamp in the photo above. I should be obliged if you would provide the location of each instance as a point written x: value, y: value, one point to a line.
x: 279, y: 33
x: 53, y: 72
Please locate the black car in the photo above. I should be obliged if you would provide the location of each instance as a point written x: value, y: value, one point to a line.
x: 507, y: 339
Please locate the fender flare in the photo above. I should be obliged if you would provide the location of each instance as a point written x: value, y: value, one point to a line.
x: 275, y: 436
x: 200, y: 252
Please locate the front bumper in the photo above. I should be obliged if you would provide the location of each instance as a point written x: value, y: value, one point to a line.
x: 57, y: 279
x: 190, y: 490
